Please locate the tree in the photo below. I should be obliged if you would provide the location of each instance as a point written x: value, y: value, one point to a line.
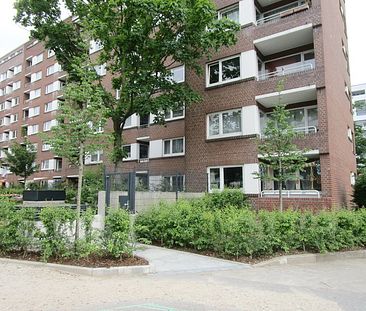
x: 142, y: 40
x: 278, y: 151
x: 360, y: 141
x: 80, y: 117
x: 21, y: 160
x: 359, y: 195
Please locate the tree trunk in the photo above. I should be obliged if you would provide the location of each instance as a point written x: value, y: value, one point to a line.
x: 78, y: 198
x: 280, y: 187
x: 117, y: 142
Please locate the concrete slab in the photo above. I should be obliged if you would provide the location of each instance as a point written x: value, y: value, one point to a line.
x: 173, y: 261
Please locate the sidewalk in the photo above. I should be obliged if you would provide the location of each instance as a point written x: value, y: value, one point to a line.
x: 172, y: 261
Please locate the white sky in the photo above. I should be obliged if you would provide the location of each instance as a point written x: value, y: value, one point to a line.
x: 13, y: 35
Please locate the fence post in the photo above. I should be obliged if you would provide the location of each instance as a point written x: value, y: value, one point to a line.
x: 107, y: 191
x: 176, y: 187
x: 132, y: 192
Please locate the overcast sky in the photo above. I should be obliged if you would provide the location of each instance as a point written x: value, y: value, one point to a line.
x: 13, y: 35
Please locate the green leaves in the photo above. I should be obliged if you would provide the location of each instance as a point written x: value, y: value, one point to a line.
x: 21, y: 159
x: 142, y: 40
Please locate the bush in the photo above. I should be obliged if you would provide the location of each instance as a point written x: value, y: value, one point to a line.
x: 359, y: 194
x: 57, y: 238
x: 228, y: 197
x: 117, y: 233
x: 240, y: 232
x: 92, y: 184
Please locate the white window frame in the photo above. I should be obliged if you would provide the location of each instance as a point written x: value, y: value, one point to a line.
x: 3, y: 76
x: 15, y: 101
x: 171, y: 154
x: 56, y: 67
x: 14, y: 118
x: 37, y: 59
x: 49, y: 166
x: 48, y: 125
x: 230, y: 8
x: 88, y: 158
x: 51, y: 106
x: 101, y: 70
x: 16, y: 85
x: 172, y: 118
x: 34, y: 111
x: 35, y: 94
x: 128, y: 157
x: 221, y: 168
x: 36, y: 76
x: 50, y: 53
x: 53, y: 87
x: 32, y: 129
x: 220, y: 61
x: 46, y: 147
x: 183, y: 68
x: 221, y: 129
x: 17, y: 69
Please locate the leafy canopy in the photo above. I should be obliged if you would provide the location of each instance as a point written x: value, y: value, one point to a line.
x: 21, y: 159
x: 142, y: 40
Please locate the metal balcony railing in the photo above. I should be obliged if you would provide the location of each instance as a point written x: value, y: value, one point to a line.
x: 284, y: 13
x: 291, y: 193
x: 297, y: 67
x: 306, y: 129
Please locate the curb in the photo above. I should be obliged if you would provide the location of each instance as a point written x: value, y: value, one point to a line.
x: 311, y: 258
x: 94, y: 272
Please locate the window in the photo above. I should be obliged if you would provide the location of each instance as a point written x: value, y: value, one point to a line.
x: 223, y: 124
x: 358, y: 93
x: 178, y: 74
x: 350, y: 133
x: 308, y: 179
x: 36, y: 76
x: 173, y: 183
x: 2, y: 76
x: 35, y: 94
x: 15, y: 101
x: 46, y: 147
x: 231, y: 13
x: 14, y: 118
x: 51, y: 106
x: 223, y: 71
x: 37, y: 59
x: 94, y: 158
x: 17, y: 69
x: 144, y: 150
x: 174, y: 147
x: 50, y: 53
x: 346, y: 89
x: 16, y: 85
x: 53, y: 87
x: 47, y: 165
x: 32, y: 129
x: 225, y: 177
x: 101, y: 70
x: 12, y: 135
x: 177, y: 113
x: 33, y: 112
x: 127, y: 151
x: 53, y: 69
x: 144, y: 120
x: 48, y: 125
x: 95, y: 46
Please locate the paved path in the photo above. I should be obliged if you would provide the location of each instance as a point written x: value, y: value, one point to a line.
x: 172, y: 261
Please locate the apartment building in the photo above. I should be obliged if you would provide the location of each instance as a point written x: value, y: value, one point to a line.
x: 359, y: 101
x: 213, y: 145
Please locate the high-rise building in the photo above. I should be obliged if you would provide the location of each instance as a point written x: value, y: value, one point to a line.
x: 213, y: 145
x: 359, y: 101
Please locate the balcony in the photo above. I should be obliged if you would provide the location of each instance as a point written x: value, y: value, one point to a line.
x: 291, y: 194
x: 288, y: 97
x: 265, y: 16
x: 285, y: 53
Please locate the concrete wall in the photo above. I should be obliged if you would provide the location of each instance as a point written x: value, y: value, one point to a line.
x: 144, y: 200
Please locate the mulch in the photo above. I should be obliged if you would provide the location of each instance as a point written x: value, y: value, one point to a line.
x: 89, y: 262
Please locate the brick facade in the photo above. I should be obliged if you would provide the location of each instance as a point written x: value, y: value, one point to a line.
x: 334, y: 149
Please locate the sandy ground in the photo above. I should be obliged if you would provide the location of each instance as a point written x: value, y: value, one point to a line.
x: 332, y: 286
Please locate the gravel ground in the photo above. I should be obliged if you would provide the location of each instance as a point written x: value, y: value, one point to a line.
x: 338, y: 285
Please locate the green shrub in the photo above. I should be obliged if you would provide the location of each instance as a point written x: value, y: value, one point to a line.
x: 117, y: 233
x: 92, y: 184
x: 17, y: 228
x: 359, y: 194
x: 241, y: 232
x: 57, y: 238
x: 227, y: 197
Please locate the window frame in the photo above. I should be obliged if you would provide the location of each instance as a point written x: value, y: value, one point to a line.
x: 171, y: 154
x: 219, y: 62
x: 228, y: 9
x: 222, y: 177
x: 221, y: 132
